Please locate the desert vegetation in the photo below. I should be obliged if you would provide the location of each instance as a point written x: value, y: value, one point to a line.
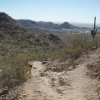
x: 14, y: 62
x: 19, y: 44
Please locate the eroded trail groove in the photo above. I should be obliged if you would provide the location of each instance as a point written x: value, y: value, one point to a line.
x: 77, y: 84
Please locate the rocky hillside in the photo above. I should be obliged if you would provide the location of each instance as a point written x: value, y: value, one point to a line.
x: 13, y: 35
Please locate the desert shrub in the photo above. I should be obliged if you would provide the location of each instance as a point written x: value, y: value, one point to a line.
x: 14, y: 71
x: 38, y: 55
x: 66, y: 53
x: 94, y: 70
x: 75, y: 45
x: 62, y: 81
x: 75, y: 52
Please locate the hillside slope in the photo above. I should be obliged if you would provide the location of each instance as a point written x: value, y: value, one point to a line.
x: 14, y: 36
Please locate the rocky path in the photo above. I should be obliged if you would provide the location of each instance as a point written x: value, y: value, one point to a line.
x: 81, y: 86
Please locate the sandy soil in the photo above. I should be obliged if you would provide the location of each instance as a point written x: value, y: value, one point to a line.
x: 77, y: 85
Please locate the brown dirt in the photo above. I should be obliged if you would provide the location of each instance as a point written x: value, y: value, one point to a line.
x: 66, y: 85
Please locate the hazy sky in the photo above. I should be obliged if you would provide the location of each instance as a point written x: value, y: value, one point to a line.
x: 53, y: 10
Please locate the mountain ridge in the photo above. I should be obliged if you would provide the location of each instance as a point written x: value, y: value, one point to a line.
x: 45, y: 25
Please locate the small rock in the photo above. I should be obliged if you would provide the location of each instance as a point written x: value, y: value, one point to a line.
x: 24, y: 95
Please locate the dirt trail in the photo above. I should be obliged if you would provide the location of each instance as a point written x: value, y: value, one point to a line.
x: 81, y: 87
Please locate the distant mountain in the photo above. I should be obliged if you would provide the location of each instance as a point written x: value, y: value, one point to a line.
x: 48, y: 25
x: 33, y: 24
x: 27, y: 23
x: 45, y: 25
x: 66, y: 25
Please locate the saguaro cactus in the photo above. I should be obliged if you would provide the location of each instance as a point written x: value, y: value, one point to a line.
x: 94, y: 31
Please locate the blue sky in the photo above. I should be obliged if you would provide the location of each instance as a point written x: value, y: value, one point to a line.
x: 53, y: 10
